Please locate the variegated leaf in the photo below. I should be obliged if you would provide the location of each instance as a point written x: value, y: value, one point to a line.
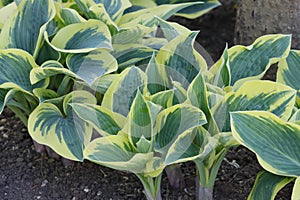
x: 296, y: 190
x: 15, y: 67
x: 267, y: 185
x: 163, y: 98
x: 253, y: 61
x: 6, y: 12
x: 115, y: 152
x: 102, y: 84
x: 198, y: 97
x: 91, y: 66
x: 191, y: 145
x: 172, y: 122
x: 5, y: 96
x: 139, y: 120
x: 24, y: 30
x: 44, y: 94
x: 220, y: 71
x: 274, y: 141
x: 255, y: 95
x: 119, y: 96
x: 62, y: 130
x: 147, y: 16
x: 180, y: 59
x: 288, y: 70
x: 82, y: 37
x: 103, y: 120
x: 157, y: 77
x: 130, y: 54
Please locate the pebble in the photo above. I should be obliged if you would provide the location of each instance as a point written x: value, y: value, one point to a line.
x: 44, y: 183
x: 3, y: 120
x: 99, y: 193
x: 1, y: 128
x: 5, y: 136
x: 86, y: 189
x: 23, y: 130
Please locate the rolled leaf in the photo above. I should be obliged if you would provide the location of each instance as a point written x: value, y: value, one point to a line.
x: 267, y: 185
x: 5, y: 96
x: 119, y: 96
x: 275, y: 142
x: 25, y: 29
x: 62, y: 130
x: 198, y: 97
x: 139, y: 120
x: 164, y: 98
x: 253, y: 61
x: 288, y: 70
x: 268, y: 96
x: 82, y: 37
x: 180, y: 59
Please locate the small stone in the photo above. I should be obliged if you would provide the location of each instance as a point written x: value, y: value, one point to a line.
x: 44, y: 183
x: 23, y: 130
x: 86, y: 189
x: 20, y: 159
x: 1, y: 128
x: 74, y: 198
x: 3, y: 120
x: 99, y: 193
x: 5, y: 136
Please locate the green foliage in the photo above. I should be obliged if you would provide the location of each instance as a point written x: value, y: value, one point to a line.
x: 73, y: 68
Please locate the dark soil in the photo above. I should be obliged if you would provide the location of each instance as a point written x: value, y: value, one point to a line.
x: 26, y: 175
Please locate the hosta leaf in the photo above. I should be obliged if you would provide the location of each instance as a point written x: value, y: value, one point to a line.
x: 24, y: 30
x: 103, y: 120
x: 296, y: 190
x: 48, y: 69
x: 220, y: 71
x: 163, y: 98
x: 114, y: 8
x: 82, y: 37
x: 197, y: 10
x: 129, y: 54
x: 148, y: 16
x: 267, y: 185
x: 172, y: 30
x: 173, y: 121
x: 180, y: 59
x: 115, y: 152
x: 70, y: 16
x: 5, y: 96
x: 275, y: 142
x: 139, y: 120
x: 63, y: 131
x: 5, y: 2
x: 198, y: 97
x: 253, y: 61
x: 46, y: 53
x: 180, y: 93
x: 132, y: 35
x: 90, y: 66
x: 15, y: 67
x: 255, y: 95
x: 186, y: 148
x: 6, y: 12
x: 157, y: 77
x: 119, y: 96
x: 102, y: 84
x: 288, y: 70
x: 44, y: 94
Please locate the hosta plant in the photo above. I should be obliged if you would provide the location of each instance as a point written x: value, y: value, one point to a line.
x: 51, y: 51
x: 274, y: 141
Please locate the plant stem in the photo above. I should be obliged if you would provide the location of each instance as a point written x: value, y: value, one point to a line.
x: 19, y: 114
x: 203, y: 193
x: 175, y: 176
x: 151, y: 186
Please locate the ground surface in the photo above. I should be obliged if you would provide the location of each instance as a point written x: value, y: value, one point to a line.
x: 26, y: 175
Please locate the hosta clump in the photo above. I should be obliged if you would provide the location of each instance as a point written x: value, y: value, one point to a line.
x: 49, y: 48
x: 275, y: 141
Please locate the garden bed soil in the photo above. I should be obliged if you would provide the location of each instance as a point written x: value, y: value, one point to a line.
x: 26, y: 175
